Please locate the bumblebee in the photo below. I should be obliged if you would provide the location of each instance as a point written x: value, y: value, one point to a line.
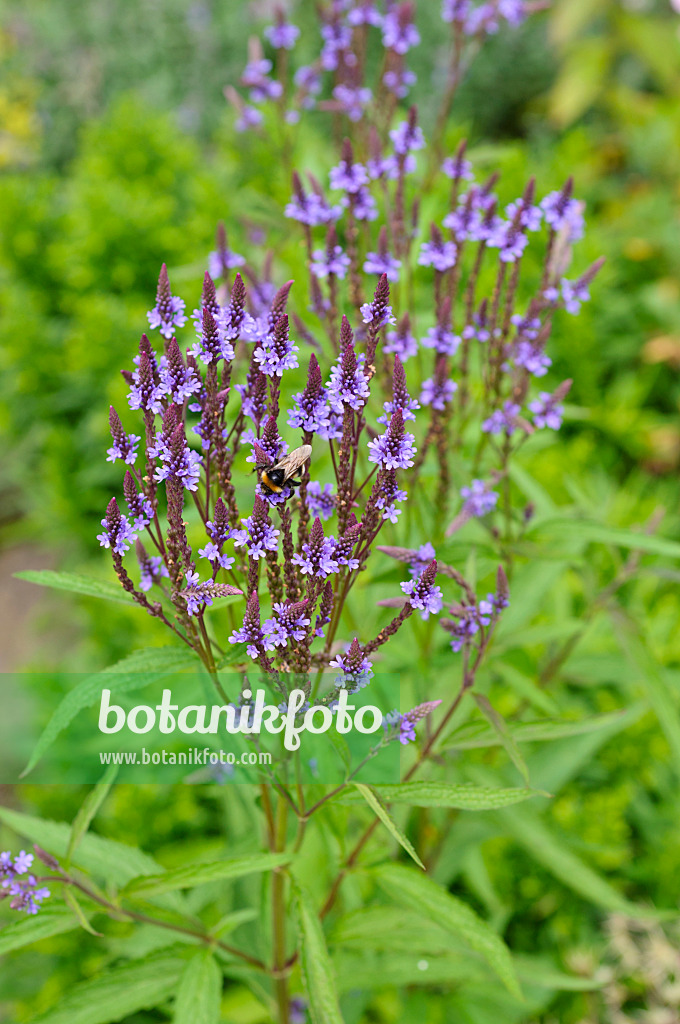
x: 274, y: 478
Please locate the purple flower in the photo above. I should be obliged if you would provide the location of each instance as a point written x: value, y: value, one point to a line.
x: 438, y: 254
x: 288, y: 623
x: 395, y: 448
x: 352, y: 101
x: 365, y: 13
x: 124, y: 445
x: 402, y: 341
x: 118, y: 534
x: 310, y: 208
x: 334, y: 262
x: 250, y: 632
x: 407, y: 722
x: 422, y: 592
x: 421, y: 558
x: 399, y: 32
x: 563, y: 213
x: 222, y: 259
x: 256, y: 78
x: 407, y: 137
x: 259, y: 536
x: 317, y: 557
x: 278, y: 352
x: 437, y: 393
x: 502, y: 419
x: 378, y: 312
x: 177, y: 459
x: 364, y: 205
x: 152, y: 571
x: 26, y: 894
x: 399, y: 82
x: 573, y: 294
x: 179, y: 380
x: 321, y: 502
x: 168, y: 312
x: 456, y: 167
x: 282, y: 35
x: 547, y: 411
x: 400, y: 396
x: 478, y: 498
x: 442, y: 340
x: 308, y: 81
x: 532, y: 357
x: 249, y: 117
x: 310, y: 410
x: 355, y: 669
x: 348, y: 384
x: 348, y: 176
x: 382, y: 263
x: 336, y: 39
x: 146, y: 390
x: 139, y: 506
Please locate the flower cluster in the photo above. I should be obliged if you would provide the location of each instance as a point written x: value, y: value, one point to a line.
x: 25, y: 893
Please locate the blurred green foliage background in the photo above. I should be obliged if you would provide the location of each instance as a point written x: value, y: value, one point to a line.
x: 117, y: 152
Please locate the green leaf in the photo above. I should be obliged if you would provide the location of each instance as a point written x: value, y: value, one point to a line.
x: 602, y: 534
x: 505, y: 736
x: 556, y: 858
x: 390, y: 928
x: 88, y: 810
x: 131, y: 673
x: 464, y: 797
x: 477, y: 734
x: 72, y: 903
x: 316, y: 966
x: 376, y: 805
x: 199, y: 874
x: 199, y: 993
x: 75, y: 584
x: 50, y: 921
x: 418, y: 892
x: 105, y: 858
x: 117, y: 993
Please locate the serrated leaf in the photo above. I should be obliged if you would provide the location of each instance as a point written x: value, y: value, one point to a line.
x: 374, y: 802
x: 390, y: 928
x: 463, y: 796
x: 505, y: 736
x: 88, y: 810
x: 117, y: 993
x: 199, y: 874
x: 74, y: 583
x: 316, y: 966
x: 50, y: 921
x: 131, y: 673
x: 418, y: 892
x: 105, y: 858
x: 199, y: 991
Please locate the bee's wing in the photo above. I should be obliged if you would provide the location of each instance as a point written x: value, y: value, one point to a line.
x: 292, y: 462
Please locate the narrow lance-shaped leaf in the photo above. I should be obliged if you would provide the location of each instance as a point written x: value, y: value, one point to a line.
x: 500, y: 726
x: 88, y: 810
x: 374, y: 802
x: 418, y: 892
x: 317, y: 969
x: 199, y: 874
x: 463, y: 797
x: 75, y: 584
x: 50, y: 921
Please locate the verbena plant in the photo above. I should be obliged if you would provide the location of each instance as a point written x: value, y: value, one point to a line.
x: 413, y: 362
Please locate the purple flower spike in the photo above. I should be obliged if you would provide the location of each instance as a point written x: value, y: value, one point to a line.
x: 399, y: 32
x: 423, y: 594
x: 395, y: 448
x: 251, y: 632
x: 222, y: 260
x: 442, y: 340
x: 378, y: 312
x: 502, y: 420
x: 198, y: 595
x: 282, y: 35
x: 25, y: 892
x: 563, y: 213
x: 352, y: 100
x: 478, y: 498
x: 348, y: 176
x: 146, y: 391
x: 407, y: 137
x: 348, y: 384
x: 179, y: 381
x: 259, y: 536
x: 402, y: 342
x: 345, y: 546
x: 310, y: 410
x: 289, y: 622
x: 547, y: 411
x: 139, y: 505
x: 310, y: 209
x: 381, y: 262
x: 407, y: 722
x: 438, y: 253
x: 168, y: 313
x: 421, y: 558
x: 278, y: 352
x: 321, y: 502
x: 400, y: 396
x: 355, y: 669
x: 437, y: 393
x: 330, y: 261
x: 364, y: 13
x: 124, y: 445
x: 118, y: 534
x: 151, y: 567
x: 317, y: 557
